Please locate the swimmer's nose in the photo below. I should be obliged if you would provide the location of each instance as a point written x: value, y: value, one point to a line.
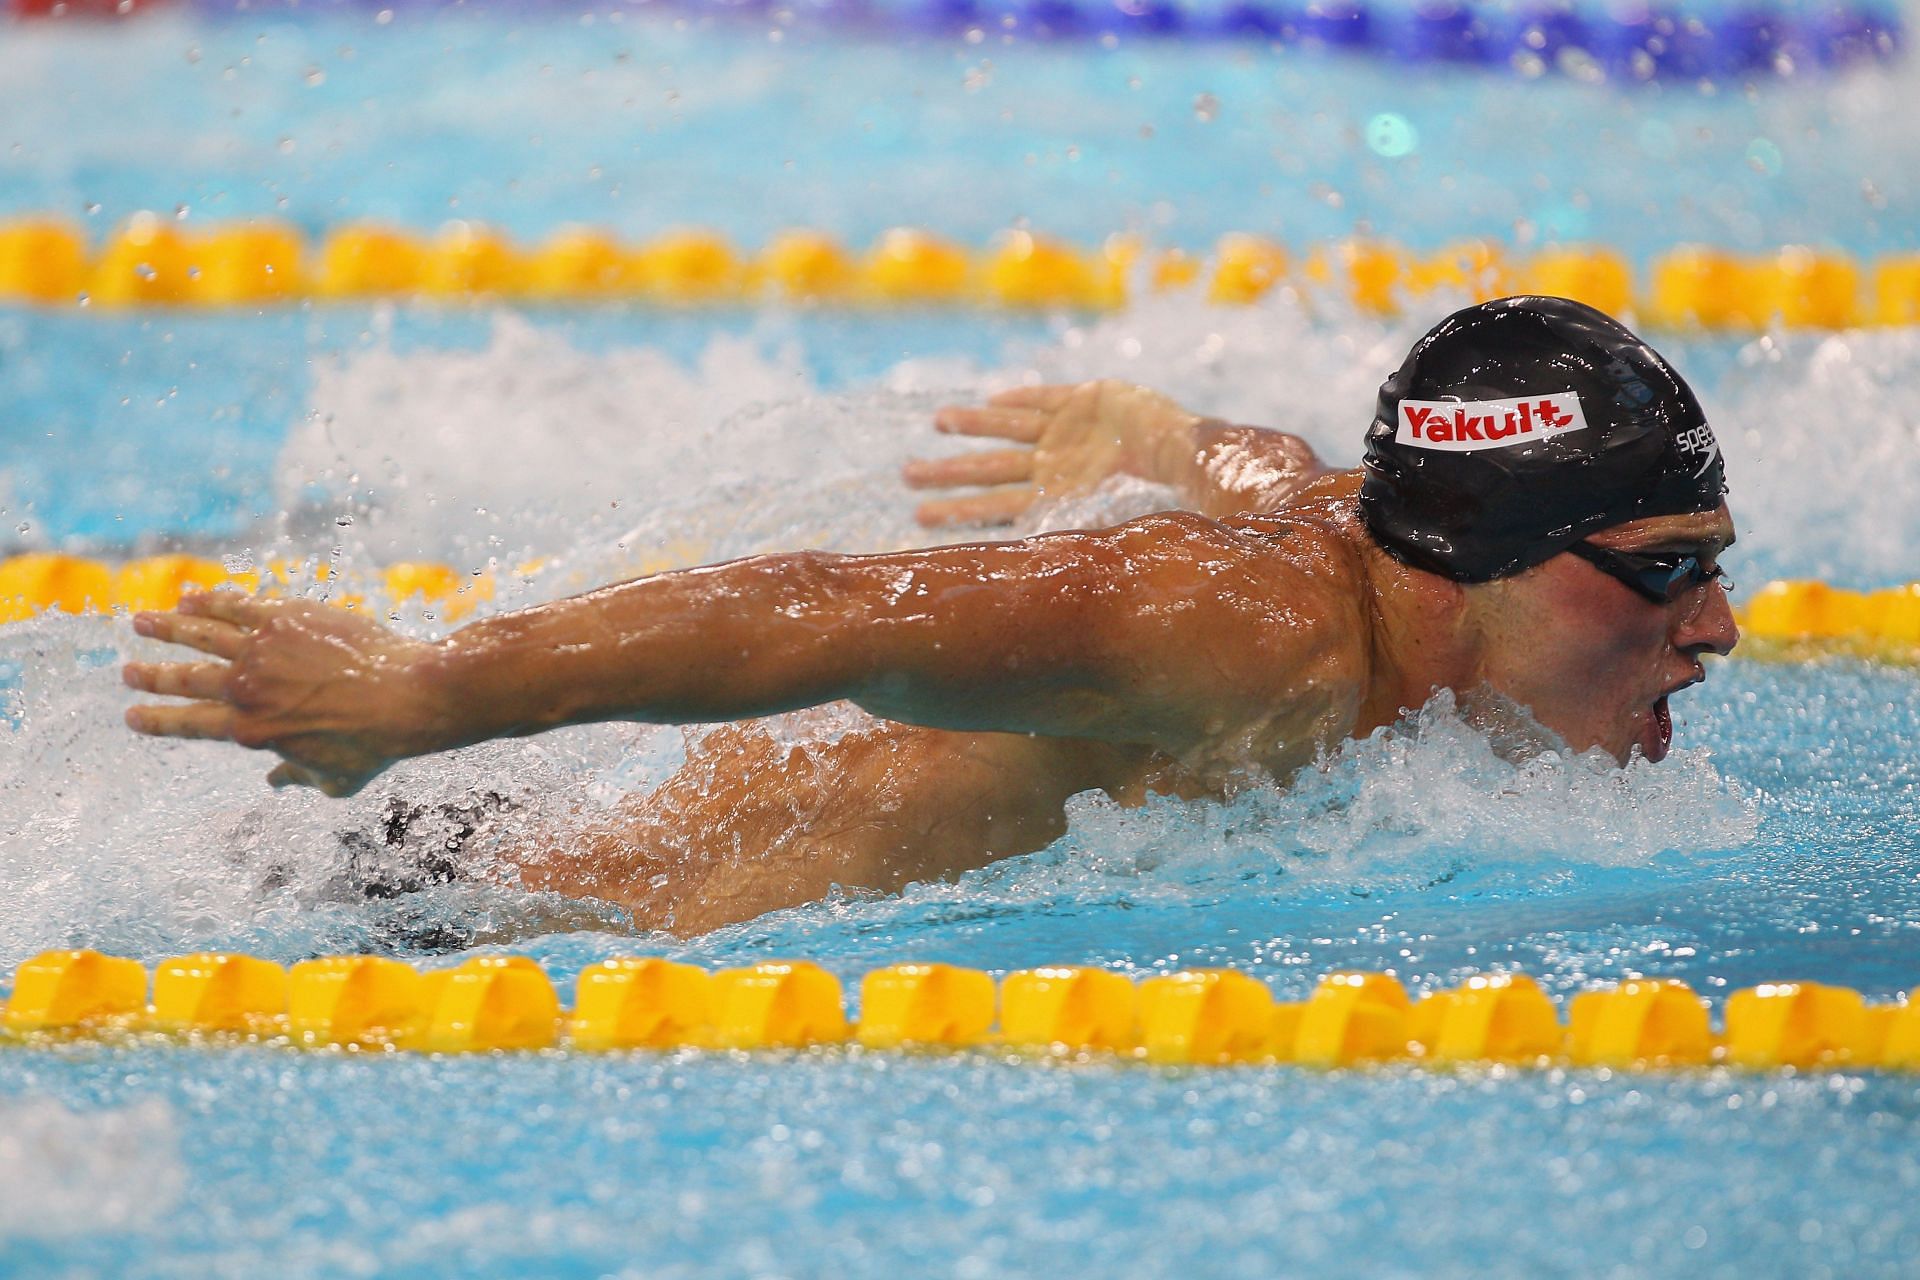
x: 1709, y: 628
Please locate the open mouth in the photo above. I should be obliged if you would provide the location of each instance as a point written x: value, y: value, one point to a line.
x: 1658, y: 739
x: 1662, y: 730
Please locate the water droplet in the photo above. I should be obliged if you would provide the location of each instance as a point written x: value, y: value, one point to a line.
x: 1391, y: 135
x: 1764, y: 157
x: 1205, y: 108
x: 343, y: 521
x: 315, y: 77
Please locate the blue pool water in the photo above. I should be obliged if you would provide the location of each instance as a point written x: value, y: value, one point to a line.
x: 1777, y: 843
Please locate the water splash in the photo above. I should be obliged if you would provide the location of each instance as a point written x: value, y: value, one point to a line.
x: 629, y: 462
x: 1822, y: 439
x: 1413, y: 805
x: 64, y: 1173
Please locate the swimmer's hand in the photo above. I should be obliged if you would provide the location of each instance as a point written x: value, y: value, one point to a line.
x: 336, y: 695
x: 1067, y: 440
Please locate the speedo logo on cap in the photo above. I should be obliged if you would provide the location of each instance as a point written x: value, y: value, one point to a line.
x: 1462, y: 426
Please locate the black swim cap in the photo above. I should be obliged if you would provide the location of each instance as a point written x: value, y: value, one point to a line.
x: 1517, y: 427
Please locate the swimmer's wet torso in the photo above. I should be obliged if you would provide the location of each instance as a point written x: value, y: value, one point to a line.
x: 1175, y: 653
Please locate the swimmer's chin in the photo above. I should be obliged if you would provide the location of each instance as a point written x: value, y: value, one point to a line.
x: 1510, y: 727
x: 1517, y: 736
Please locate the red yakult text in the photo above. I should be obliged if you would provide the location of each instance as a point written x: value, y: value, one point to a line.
x: 1460, y: 426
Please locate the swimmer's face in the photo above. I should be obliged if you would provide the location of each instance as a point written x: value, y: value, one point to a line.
x: 1595, y: 660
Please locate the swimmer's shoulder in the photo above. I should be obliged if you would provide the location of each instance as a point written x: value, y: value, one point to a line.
x: 1266, y: 622
x: 1300, y: 563
x: 1318, y: 533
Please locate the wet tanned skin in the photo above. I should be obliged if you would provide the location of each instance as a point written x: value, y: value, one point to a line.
x: 1174, y: 653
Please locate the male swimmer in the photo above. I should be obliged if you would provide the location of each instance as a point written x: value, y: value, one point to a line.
x: 1537, y: 522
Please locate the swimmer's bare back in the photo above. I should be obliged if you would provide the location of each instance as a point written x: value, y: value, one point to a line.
x: 752, y: 824
x: 1171, y: 652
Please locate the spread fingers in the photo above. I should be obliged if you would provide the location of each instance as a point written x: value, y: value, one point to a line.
x: 1046, y: 399
x: 195, y: 720
x: 230, y: 606
x: 994, y: 466
x: 1002, y: 506
x: 1023, y: 425
x: 208, y: 635
x: 178, y: 679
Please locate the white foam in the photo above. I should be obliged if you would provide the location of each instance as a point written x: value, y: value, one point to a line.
x: 453, y: 453
x: 628, y: 461
x: 1822, y: 440
x: 66, y: 1173
x: 1413, y: 804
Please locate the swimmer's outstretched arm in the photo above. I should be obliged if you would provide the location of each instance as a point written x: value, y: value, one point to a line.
x: 1068, y: 439
x: 1166, y: 633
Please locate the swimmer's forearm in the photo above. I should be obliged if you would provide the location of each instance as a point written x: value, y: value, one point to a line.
x: 1226, y: 469
x: 699, y: 646
x: 989, y: 637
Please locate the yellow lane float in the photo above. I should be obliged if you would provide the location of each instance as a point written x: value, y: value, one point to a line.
x: 366, y: 260
x: 806, y: 266
x: 42, y: 261
x: 212, y: 991
x: 1796, y: 1024
x: 488, y: 1002
x: 1502, y: 1017
x: 1195, y: 1017
x: 68, y: 989
x: 1645, y: 1022
x: 1350, y: 1018
x: 1067, y: 1009
x: 41, y: 581
x: 354, y: 1000
x: 777, y: 1006
x: 925, y: 1004
x: 149, y: 260
x: 1205, y: 1016
x: 640, y: 1003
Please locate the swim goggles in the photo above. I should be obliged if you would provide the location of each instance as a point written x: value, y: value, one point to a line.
x: 1661, y: 577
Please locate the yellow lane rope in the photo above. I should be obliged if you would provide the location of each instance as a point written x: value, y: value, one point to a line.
x: 1211, y: 1017
x: 1884, y: 623
x: 154, y: 261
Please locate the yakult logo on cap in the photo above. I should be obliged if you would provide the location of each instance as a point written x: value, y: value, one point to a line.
x: 1462, y: 426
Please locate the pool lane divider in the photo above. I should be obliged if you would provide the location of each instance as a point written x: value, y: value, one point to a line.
x: 1201, y: 1017
x: 1791, y: 619
x: 1591, y: 42
x: 37, y: 582
x: 159, y: 262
